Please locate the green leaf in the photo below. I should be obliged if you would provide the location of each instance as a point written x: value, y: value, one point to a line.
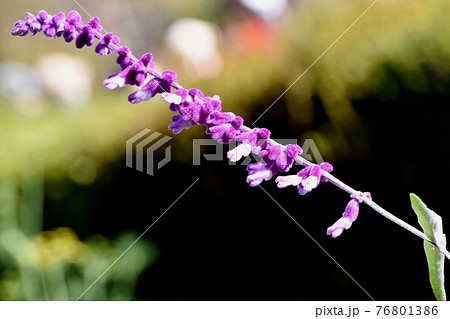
x: 431, y: 224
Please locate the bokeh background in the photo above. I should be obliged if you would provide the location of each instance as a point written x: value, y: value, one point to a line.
x: 376, y: 106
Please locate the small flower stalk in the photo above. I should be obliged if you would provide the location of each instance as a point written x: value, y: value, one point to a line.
x: 191, y: 106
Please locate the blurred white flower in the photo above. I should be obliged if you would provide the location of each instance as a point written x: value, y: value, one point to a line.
x: 196, y: 42
x: 67, y: 77
x: 267, y: 9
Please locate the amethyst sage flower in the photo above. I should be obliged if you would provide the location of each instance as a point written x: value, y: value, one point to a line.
x: 249, y: 142
x: 274, y: 159
x: 348, y: 217
x: 307, y: 179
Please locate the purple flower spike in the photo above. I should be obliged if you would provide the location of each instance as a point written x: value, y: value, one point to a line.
x: 54, y: 26
x: 102, y: 47
x: 20, y: 28
x: 85, y: 37
x: 348, y: 217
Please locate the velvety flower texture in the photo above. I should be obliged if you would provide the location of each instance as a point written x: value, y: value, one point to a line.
x: 274, y: 159
x: 249, y: 142
x: 192, y: 106
x: 307, y: 179
x: 348, y: 217
x: 102, y: 47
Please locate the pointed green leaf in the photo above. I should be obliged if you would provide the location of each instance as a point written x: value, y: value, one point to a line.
x: 431, y: 224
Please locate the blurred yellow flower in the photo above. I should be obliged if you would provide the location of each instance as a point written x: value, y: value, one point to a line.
x: 51, y: 248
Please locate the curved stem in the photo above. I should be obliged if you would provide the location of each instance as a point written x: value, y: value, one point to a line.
x: 331, y: 178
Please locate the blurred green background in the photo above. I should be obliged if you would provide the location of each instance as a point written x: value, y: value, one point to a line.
x: 376, y: 106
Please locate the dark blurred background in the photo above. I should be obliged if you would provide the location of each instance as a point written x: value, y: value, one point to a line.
x: 375, y: 105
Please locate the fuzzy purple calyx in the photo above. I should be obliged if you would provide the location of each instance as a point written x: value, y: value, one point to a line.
x: 178, y: 124
x: 153, y: 87
x: 249, y: 142
x: 103, y: 47
x: 274, y: 159
x: 85, y: 37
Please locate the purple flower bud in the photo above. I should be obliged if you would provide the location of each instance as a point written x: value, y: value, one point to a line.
x: 310, y: 179
x: 33, y: 23
x: 43, y: 17
x: 217, y: 118
x: 274, y: 159
x: 73, y: 21
x: 264, y: 133
x: 85, y: 37
x: 102, y: 47
x: 74, y: 18
x: 192, y: 104
x: 179, y: 124
x: 283, y: 156
x: 193, y: 110
x: 223, y: 126
x: 20, y: 28
x: 175, y: 99
x: 327, y: 167
x: 95, y: 24
x: 348, y: 217
x: 134, y: 74
x: 258, y: 172
x: 168, y: 77
x: 285, y: 161
x: 153, y: 87
x: 124, y: 58
x: 215, y: 102
x: 196, y: 93
x: 54, y: 26
x: 307, y: 179
x: 69, y: 33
